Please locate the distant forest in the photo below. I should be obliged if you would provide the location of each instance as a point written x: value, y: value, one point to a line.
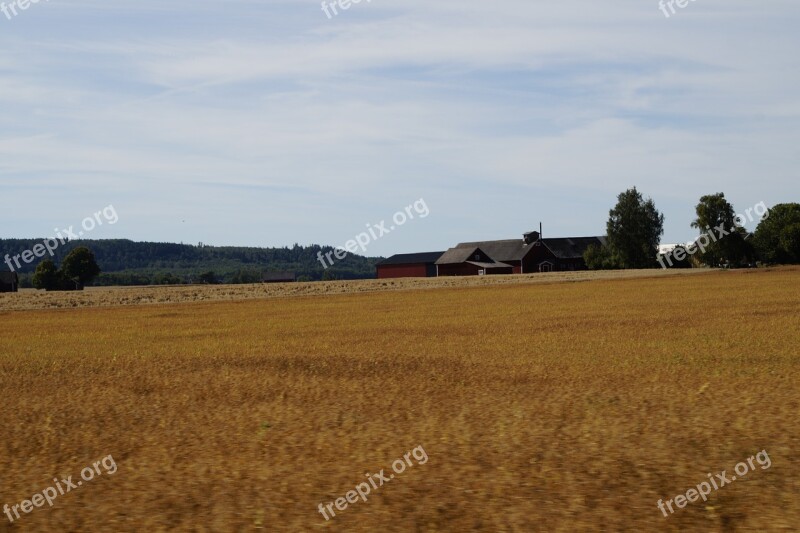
x: 124, y: 262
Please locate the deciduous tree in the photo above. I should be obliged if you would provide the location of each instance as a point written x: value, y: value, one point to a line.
x: 777, y: 237
x: 80, y: 266
x: 634, y: 230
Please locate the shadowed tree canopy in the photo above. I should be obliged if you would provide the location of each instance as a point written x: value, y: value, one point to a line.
x: 777, y: 237
x: 80, y: 266
x: 601, y: 258
x: 47, y: 276
x: 208, y: 278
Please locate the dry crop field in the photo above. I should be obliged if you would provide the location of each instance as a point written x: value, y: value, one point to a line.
x: 112, y: 296
x: 538, y: 406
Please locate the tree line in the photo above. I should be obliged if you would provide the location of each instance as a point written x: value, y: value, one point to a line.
x: 635, y: 227
x: 125, y: 262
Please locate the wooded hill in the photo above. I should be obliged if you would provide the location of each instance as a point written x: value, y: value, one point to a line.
x: 125, y: 262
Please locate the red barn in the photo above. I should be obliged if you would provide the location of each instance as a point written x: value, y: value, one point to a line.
x: 535, y: 254
x: 527, y: 255
x: 422, y: 265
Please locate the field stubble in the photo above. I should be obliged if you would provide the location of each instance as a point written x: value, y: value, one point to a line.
x: 561, y: 407
x: 114, y: 296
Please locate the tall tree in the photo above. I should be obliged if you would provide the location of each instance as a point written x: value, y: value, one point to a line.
x: 634, y: 230
x: 716, y: 219
x: 80, y: 266
x: 777, y: 237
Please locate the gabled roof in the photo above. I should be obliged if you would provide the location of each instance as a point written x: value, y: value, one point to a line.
x: 457, y: 255
x: 516, y: 249
x: 500, y: 251
x: 505, y: 250
x: 408, y: 259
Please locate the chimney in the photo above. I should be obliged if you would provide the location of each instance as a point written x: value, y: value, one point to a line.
x: 530, y: 237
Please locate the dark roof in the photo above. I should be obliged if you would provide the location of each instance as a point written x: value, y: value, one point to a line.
x: 501, y: 251
x: 8, y: 277
x: 279, y: 276
x: 457, y: 255
x: 516, y: 249
x: 409, y: 259
x: 572, y: 247
x: 505, y: 250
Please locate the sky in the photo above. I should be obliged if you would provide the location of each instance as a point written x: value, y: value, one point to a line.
x: 269, y: 123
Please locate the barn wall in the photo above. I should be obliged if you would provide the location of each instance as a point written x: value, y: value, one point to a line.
x: 541, y: 253
x: 466, y: 269
x: 496, y: 271
x: 536, y: 256
x: 515, y: 266
x: 417, y: 270
x: 460, y: 269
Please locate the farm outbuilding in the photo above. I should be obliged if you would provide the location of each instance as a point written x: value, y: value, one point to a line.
x: 421, y: 265
x: 527, y: 255
x: 532, y: 253
x: 9, y: 282
x: 470, y: 261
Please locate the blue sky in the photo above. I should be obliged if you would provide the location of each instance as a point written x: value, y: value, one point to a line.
x: 264, y: 123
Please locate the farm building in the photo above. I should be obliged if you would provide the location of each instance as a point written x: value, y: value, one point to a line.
x: 532, y: 253
x: 527, y: 255
x: 9, y: 282
x: 469, y: 261
x: 279, y: 277
x: 421, y: 265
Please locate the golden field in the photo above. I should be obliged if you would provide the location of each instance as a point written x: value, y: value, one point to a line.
x: 113, y: 296
x: 541, y: 406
